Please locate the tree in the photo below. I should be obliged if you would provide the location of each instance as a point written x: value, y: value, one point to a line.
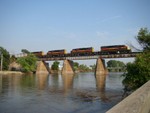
x: 75, y: 65
x: 55, y: 66
x: 117, y: 65
x: 143, y: 38
x: 28, y: 63
x: 12, y: 59
x: 25, y: 51
x: 93, y: 67
x: 84, y: 68
x: 6, y: 57
x: 138, y: 72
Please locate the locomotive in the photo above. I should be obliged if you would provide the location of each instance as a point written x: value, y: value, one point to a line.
x: 38, y: 53
x: 82, y: 51
x: 113, y: 49
x: 54, y: 53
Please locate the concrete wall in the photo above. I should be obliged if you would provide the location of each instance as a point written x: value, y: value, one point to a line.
x: 137, y: 102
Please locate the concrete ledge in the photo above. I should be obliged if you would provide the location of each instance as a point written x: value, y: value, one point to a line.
x: 137, y: 102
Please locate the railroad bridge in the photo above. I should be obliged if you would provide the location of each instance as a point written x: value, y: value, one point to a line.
x: 67, y: 64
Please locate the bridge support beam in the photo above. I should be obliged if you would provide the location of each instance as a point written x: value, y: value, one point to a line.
x: 67, y: 67
x: 100, y: 67
x: 42, y: 67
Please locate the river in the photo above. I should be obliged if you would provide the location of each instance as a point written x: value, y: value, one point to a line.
x: 81, y: 93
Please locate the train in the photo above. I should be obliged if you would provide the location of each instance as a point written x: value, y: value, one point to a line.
x: 104, y: 50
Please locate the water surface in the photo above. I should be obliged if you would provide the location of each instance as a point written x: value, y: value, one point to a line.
x: 81, y: 93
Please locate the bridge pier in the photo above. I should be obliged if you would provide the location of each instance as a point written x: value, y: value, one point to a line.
x: 42, y: 68
x: 67, y: 67
x: 100, y: 67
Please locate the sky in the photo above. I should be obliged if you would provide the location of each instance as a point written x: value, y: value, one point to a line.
x: 43, y: 25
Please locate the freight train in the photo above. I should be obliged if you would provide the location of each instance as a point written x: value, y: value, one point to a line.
x: 104, y: 50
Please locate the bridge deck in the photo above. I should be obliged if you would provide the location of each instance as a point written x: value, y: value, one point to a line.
x: 93, y: 56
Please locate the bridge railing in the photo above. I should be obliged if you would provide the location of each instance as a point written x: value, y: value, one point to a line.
x: 137, y: 102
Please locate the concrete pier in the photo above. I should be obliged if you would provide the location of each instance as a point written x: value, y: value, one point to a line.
x: 67, y: 67
x: 100, y: 67
x: 42, y: 68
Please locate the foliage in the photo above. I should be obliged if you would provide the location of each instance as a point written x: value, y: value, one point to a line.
x: 143, y: 38
x: 25, y: 51
x: 28, y: 63
x: 84, y: 68
x: 12, y: 59
x: 138, y: 72
x: 93, y: 67
x: 75, y: 65
x: 55, y: 65
x: 6, y: 57
x: 115, y: 65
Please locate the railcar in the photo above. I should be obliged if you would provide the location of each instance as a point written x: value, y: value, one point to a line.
x: 38, y: 53
x: 54, y: 53
x: 115, y: 49
x: 82, y: 51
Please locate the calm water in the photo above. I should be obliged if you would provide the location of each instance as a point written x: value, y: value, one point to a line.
x: 82, y: 93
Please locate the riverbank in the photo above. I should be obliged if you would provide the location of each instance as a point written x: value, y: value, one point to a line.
x: 10, y: 72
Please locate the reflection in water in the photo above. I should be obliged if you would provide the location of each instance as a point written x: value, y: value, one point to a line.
x: 57, y: 93
x: 100, y: 82
x: 28, y: 81
x: 0, y: 83
x: 100, y: 86
x: 67, y: 82
x: 42, y: 80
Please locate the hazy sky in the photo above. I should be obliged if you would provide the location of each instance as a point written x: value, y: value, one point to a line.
x: 66, y: 24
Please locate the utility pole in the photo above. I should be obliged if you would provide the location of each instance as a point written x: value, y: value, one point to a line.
x: 1, y: 60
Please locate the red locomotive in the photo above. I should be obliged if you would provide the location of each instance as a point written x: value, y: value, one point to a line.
x: 115, y: 49
x: 38, y: 53
x: 52, y: 53
x: 82, y: 51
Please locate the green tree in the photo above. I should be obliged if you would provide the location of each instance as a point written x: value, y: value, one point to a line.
x: 28, y: 63
x: 25, y: 51
x: 138, y: 72
x: 143, y: 38
x: 12, y: 59
x: 93, y: 67
x: 55, y: 66
x: 6, y: 58
x: 117, y: 65
x: 75, y: 65
x: 84, y: 68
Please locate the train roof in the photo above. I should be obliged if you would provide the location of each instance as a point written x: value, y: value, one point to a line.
x: 82, y: 48
x: 113, y: 46
x: 57, y: 50
x: 37, y: 52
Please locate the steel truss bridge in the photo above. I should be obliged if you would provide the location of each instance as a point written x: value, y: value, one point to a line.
x: 89, y: 56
